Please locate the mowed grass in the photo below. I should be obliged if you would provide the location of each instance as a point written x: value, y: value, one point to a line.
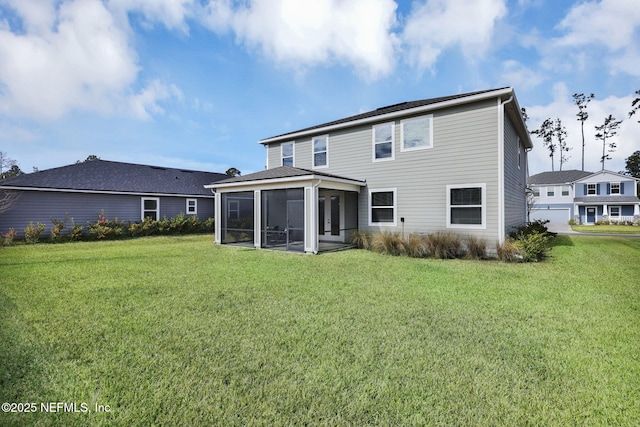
x: 178, y: 331
x: 607, y: 229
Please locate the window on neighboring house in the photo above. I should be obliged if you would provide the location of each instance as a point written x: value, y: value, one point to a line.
x: 417, y: 133
x: 591, y: 189
x: 615, y: 188
x: 466, y: 206
x: 614, y: 211
x: 382, y: 207
x: 383, y: 142
x: 320, y: 151
x: 566, y: 190
x: 551, y: 191
x: 536, y: 191
x: 192, y: 206
x: 150, y: 208
x: 287, y: 153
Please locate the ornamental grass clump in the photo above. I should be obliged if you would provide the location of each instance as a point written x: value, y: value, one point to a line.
x: 476, y: 248
x: 361, y: 239
x: 388, y: 243
x: 508, y: 251
x: 417, y: 245
x: 444, y: 245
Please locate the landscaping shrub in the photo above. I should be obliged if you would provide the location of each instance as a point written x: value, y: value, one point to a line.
x: 417, y: 245
x: 508, y: 251
x: 58, y: 226
x: 533, y: 227
x: 8, y: 237
x: 444, y: 245
x: 32, y: 232
x: 105, y: 229
x: 476, y: 248
x: 534, y: 246
x: 76, y: 231
x: 389, y: 243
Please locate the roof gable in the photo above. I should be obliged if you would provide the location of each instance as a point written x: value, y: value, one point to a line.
x: 558, y: 177
x: 281, y: 172
x: 108, y: 176
x: 607, y: 176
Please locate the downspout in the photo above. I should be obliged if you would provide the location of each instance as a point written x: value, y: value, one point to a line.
x: 501, y: 210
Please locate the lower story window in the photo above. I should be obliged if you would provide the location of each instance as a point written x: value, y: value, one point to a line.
x: 192, y: 206
x: 382, y: 207
x: 150, y: 208
x: 466, y: 206
x: 614, y: 211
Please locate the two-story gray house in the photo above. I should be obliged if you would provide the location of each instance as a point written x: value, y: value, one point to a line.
x: 455, y: 163
x: 584, y: 197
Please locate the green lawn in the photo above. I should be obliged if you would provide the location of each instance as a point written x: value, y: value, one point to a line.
x: 607, y: 229
x: 178, y: 331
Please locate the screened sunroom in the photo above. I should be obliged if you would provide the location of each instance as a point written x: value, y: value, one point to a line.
x: 287, y: 209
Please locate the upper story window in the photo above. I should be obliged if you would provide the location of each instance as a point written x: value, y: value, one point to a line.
x: 566, y: 190
x: 192, y: 206
x: 383, y: 142
x: 287, y: 152
x: 551, y: 191
x: 592, y: 189
x: 536, y: 191
x: 417, y: 133
x: 615, y: 188
x: 320, y: 151
x: 466, y: 206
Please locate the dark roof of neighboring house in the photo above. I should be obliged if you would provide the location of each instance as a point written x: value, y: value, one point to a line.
x: 108, y: 176
x: 279, y: 172
x: 559, y: 177
x: 389, y: 109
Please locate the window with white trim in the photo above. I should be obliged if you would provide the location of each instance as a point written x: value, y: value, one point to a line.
x: 287, y: 152
x: 382, y: 206
x: 320, y: 147
x: 614, y: 212
x: 466, y: 206
x: 150, y: 208
x: 416, y: 133
x: 615, y: 188
x: 383, y: 142
x: 192, y: 206
x: 536, y: 191
x: 551, y: 191
x: 591, y: 189
x: 566, y: 190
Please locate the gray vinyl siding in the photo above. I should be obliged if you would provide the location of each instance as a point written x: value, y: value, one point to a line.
x: 42, y: 206
x: 465, y: 151
x: 515, y: 178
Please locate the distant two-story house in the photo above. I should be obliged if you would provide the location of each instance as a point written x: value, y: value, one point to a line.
x: 584, y: 197
x: 455, y: 163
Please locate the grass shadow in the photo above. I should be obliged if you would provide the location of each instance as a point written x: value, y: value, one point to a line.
x: 563, y: 240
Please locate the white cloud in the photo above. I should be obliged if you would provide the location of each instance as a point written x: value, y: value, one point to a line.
x: 442, y: 24
x: 146, y: 102
x: 301, y: 34
x: 171, y: 13
x: 73, y: 58
x: 563, y: 107
x: 515, y: 74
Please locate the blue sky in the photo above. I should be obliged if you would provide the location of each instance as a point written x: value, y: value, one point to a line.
x: 196, y: 83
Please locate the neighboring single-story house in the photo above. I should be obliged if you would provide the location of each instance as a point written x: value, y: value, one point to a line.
x: 129, y: 192
x: 455, y: 163
x: 584, y: 197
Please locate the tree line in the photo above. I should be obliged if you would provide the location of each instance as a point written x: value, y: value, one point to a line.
x: 554, y: 134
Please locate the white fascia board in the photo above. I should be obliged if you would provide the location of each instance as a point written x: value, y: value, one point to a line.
x: 122, y: 193
x: 287, y: 180
x: 389, y: 116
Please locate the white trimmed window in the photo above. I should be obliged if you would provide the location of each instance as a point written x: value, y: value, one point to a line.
x: 320, y: 147
x: 192, y: 206
x: 150, y: 208
x: 591, y: 189
x: 551, y: 191
x: 565, y: 190
x: 382, y: 207
x: 466, y: 206
x: 416, y: 133
x: 536, y: 191
x: 383, y: 142
x: 614, y: 211
x: 615, y: 188
x: 287, y: 152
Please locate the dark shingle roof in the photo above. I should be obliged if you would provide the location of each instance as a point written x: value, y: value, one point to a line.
x: 103, y: 175
x: 277, y: 173
x: 559, y: 177
x: 389, y: 109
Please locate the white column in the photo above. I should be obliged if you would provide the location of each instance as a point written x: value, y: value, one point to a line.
x: 217, y: 215
x: 605, y: 212
x: 311, y: 219
x: 257, y: 218
x: 636, y: 210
